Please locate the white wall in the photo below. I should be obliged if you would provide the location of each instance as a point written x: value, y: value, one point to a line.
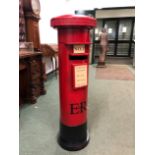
x: 51, y: 8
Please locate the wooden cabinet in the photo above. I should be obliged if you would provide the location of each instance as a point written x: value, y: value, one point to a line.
x: 31, y: 82
x: 31, y: 68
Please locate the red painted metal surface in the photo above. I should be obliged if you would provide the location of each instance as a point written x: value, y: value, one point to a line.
x: 72, y: 30
x: 73, y: 20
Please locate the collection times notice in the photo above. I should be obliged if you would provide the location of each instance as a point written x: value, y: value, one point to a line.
x: 80, y: 76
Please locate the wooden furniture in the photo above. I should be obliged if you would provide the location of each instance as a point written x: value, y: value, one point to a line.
x: 50, y: 57
x: 31, y: 68
x: 31, y: 83
x: 49, y: 50
x: 32, y: 17
x: 22, y: 30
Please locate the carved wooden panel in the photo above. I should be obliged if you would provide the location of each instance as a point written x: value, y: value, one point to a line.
x: 31, y: 77
x: 22, y: 31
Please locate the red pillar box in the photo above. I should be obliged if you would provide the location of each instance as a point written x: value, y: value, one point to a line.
x: 74, y: 42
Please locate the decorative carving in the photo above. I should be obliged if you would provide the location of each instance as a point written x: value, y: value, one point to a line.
x: 22, y: 31
x: 31, y: 80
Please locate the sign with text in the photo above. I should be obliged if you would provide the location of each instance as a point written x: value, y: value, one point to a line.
x: 80, y: 75
x: 79, y: 49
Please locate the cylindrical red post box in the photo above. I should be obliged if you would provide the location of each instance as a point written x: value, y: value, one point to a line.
x: 74, y: 43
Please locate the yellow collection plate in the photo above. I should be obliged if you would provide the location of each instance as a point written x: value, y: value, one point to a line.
x: 79, y: 49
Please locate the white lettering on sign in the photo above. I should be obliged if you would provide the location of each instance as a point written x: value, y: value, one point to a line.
x: 79, y: 48
x: 80, y: 75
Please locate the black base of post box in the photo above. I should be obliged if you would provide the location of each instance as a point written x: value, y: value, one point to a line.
x: 73, y: 138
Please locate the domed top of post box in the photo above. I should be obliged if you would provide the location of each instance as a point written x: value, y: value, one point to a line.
x: 73, y: 21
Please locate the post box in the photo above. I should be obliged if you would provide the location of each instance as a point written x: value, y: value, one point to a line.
x: 73, y: 43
